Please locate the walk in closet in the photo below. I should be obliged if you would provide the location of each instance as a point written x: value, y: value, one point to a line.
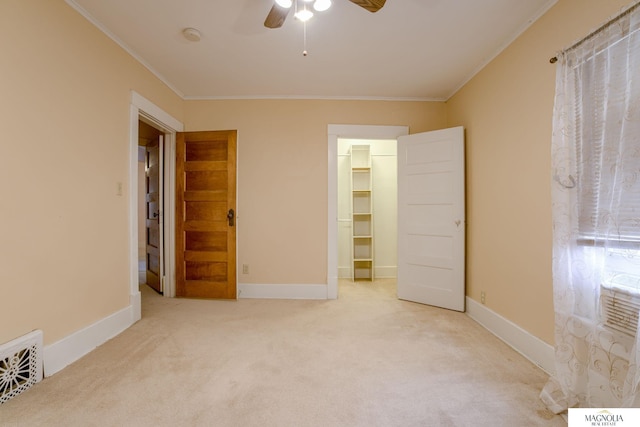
x: 367, y: 218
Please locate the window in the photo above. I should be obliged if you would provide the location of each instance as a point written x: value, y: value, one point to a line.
x: 607, y: 153
x: 596, y: 219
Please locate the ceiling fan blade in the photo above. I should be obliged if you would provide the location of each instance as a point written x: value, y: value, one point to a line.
x: 370, y: 5
x: 276, y: 16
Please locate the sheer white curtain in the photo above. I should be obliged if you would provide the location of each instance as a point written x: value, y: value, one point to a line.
x: 596, y: 220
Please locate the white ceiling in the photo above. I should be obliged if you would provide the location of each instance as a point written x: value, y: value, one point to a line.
x: 410, y: 49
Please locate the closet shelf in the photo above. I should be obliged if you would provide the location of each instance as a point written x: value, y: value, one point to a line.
x: 361, y: 211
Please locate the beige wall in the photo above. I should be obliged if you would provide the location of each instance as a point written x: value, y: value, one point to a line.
x: 282, y: 174
x: 507, y: 112
x: 65, y: 94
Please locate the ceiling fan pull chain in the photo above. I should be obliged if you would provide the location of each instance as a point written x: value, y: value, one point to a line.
x: 304, y: 39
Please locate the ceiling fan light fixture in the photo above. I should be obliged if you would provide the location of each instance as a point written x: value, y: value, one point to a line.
x: 304, y: 15
x: 322, y: 5
x: 284, y: 3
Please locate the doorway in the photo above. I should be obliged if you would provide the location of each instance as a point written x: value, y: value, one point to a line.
x: 336, y: 133
x: 367, y: 209
x: 431, y: 225
x: 141, y: 109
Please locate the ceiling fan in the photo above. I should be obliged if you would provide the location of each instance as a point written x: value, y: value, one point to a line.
x: 280, y: 9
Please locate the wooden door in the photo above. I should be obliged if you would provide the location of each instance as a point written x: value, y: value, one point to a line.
x: 205, y: 214
x: 431, y: 218
x: 153, y: 204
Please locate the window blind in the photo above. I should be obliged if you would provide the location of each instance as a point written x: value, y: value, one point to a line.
x: 608, y: 145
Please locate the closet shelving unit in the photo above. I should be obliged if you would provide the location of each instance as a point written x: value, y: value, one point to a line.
x: 361, y: 211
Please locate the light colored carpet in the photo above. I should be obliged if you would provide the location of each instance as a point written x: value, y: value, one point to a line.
x: 366, y: 359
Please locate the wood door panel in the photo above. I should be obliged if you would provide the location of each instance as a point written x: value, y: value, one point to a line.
x: 206, y: 226
x: 205, y: 256
x: 205, y: 240
x: 153, y: 175
x: 204, y: 180
x: 205, y: 151
x: 206, y: 196
x: 153, y: 206
x: 152, y: 211
x: 153, y: 262
x: 205, y: 165
x: 153, y: 234
x: 206, y: 289
x: 205, y: 211
x: 207, y: 271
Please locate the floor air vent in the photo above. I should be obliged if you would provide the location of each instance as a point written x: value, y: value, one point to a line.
x: 20, y: 365
x: 620, y: 309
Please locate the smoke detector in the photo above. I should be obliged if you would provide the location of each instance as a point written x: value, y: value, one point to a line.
x: 191, y: 34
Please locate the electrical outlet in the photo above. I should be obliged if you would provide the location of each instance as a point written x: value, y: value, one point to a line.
x: 245, y: 268
x: 483, y: 297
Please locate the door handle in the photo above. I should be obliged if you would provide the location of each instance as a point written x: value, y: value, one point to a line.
x: 230, y: 217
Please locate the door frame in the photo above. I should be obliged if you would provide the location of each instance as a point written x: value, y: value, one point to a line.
x: 145, y: 110
x: 348, y: 132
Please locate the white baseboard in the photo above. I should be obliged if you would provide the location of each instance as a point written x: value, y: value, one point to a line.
x: 386, y: 272
x: 62, y: 353
x: 531, y: 347
x: 280, y: 291
x: 71, y: 348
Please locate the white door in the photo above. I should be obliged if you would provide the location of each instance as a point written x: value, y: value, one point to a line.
x: 431, y: 218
